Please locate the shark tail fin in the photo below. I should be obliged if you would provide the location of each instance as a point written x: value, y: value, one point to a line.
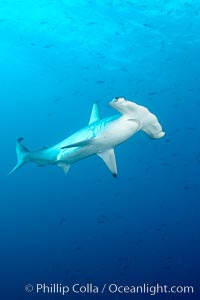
x: 22, y: 155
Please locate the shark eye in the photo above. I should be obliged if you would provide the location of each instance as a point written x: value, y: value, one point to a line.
x: 116, y: 99
x: 120, y: 99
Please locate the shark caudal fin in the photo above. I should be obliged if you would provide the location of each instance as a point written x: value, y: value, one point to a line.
x: 22, y: 155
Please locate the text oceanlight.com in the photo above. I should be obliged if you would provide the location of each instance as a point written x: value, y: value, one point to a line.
x: 111, y: 288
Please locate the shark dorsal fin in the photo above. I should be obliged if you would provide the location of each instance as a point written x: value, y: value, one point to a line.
x: 108, y: 157
x: 95, y: 115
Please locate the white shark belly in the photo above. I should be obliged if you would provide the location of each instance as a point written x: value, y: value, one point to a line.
x: 117, y: 132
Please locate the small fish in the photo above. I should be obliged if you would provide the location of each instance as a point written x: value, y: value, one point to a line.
x: 91, y: 23
x: 147, y: 25
x: 125, y: 267
x: 100, y: 81
x: 186, y: 187
x: 57, y: 99
x: 101, y: 219
x: 166, y: 268
x: 165, y: 164
x: 44, y: 22
x: 62, y: 221
x: 157, y: 229
x: 48, y: 46
x: 152, y: 93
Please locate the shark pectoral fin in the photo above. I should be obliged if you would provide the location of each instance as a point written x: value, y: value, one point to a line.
x: 95, y: 115
x: 79, y: 144
x: 108, y: 157
x: 65, y: 167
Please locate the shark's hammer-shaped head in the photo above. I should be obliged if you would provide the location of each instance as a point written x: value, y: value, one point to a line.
x: 138, y: 113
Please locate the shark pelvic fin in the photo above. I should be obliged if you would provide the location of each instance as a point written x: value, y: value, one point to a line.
x: 95, y: 115
x: 108, y: 157
x: 79, y: 144
x: 65, y: 167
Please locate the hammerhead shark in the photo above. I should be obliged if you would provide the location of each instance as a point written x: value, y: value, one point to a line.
x: 99, y: 137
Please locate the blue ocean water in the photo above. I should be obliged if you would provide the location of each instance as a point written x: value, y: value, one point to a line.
x: 58, y: 57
